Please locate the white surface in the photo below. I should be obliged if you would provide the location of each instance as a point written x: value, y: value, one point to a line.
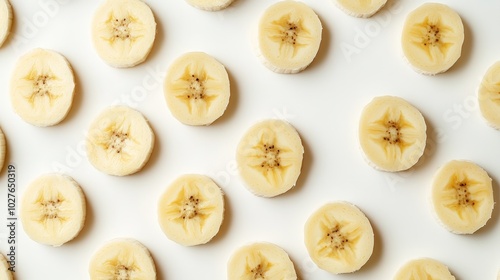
x: 323, y: 103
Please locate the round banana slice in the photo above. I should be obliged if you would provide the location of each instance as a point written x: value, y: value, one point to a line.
x: 432, y: 38
x: 122, y: 258
x: 289, y: 36
x: 119, y: 141
x: 123, y: 32
x: 360, y: 8
x: 489, y: 96
x: 269, y: 158
x: 5, y: 20
x: 197, y: 89
x: 210, y: 5
x: 42, y: 87
x: 53, y: 209
x: 191, y: 210
x: 5, y: 273
x: 424, y: 268
x: 262, y: 260
x: 392, y: 133
x: 339, y: 238
x: 462, y: 196
x: 2, y: 149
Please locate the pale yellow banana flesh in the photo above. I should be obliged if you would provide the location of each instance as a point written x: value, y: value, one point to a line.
x: 42, y: 87
x: 3, y: 149
x: 5, y: 273
x: 360, y: 8
x: 53, y: 209
x: 191, y: 210
x: 339, y: 237
x: 210, y: 5
x: 123, y: 32
x: 122, y: 258
x: 432, y: 38
x: 289, y: 36
x: 5, y: 20
x: 269, y: 158
x: 260, y: 261
x: 197, y: 89
x: 462, y: 196
x: 392, y: 133
x: 424, y: 268
x: 489, y: 96
x: 120, y: 141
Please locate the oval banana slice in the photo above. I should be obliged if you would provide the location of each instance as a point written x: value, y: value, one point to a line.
x: 42, y: 87
x: 119, y: 141
x: 462, y: 196
x: 123, y: 32
x: 489, y: 96
x: 339, y: 237
x: 3, y: 149
x: 5, y: 20
x: 53, y: 209
x: 392, y: 133
x: 261, y: 260
x: 210, y: 5
x: 197, y: 89
x: 269, y: 158
x: 424, y: 268
x: 289, y: 36
x: 191, y: 210
x: 122, y: 258
x: 5, y: 273
x: 432, y: 38
x: 360, y: 8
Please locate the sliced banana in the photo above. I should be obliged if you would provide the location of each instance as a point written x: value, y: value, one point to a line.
x: 360, y: 8
x: 462, y: 196
x: 392, y: 133
x: 489, y: 96
x: 5, y: 273
x: 263, y: 260
x: 42, y: 87
x: 123, y: 32
x: 432, y: 38
x: 269, y: 158
x: 119, y: 141
x: 339, y: 237
x: 5, y: 20
x: 197, y: 89
x: 289, y: 36
x: 210, y: 5
x: 424, y: 268
x: 122, y: 259
x: 53, y: 209
x: 191, y: 210
x: 3, y: 149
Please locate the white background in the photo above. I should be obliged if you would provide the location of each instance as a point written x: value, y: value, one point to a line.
x: 323, y: 103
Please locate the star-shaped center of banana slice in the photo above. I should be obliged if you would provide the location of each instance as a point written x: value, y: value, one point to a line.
x: 51, y: 206
x: 122, y: 29
x: 40, y: 86
x: 339, y: 240
x: 460, y: 196
x: 434, y: 37
x: 122, y: 267
x: 290, y: 33
x: 257, y: 267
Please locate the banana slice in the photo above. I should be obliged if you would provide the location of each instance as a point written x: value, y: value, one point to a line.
x: 2, y: 149
x: 360, y: 8
x: 191, y: 210
x: 289, y: 36
x: 119, y: 141
x: 339, y: 237
x: 5, y: 273
x: 122, y: 259
x: 269, y: 157
x: 210, y: 5
x: 424, y: 268
x: 42, y: 87
x: 53, y: 209
x: 197, y: 89
x: 5, y: 20
x: 489, y: 96
x: 432, y: 38
x: 262, y: 260
x: 123, y: 32
x: 392, y: 133
x: 462, y: 196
